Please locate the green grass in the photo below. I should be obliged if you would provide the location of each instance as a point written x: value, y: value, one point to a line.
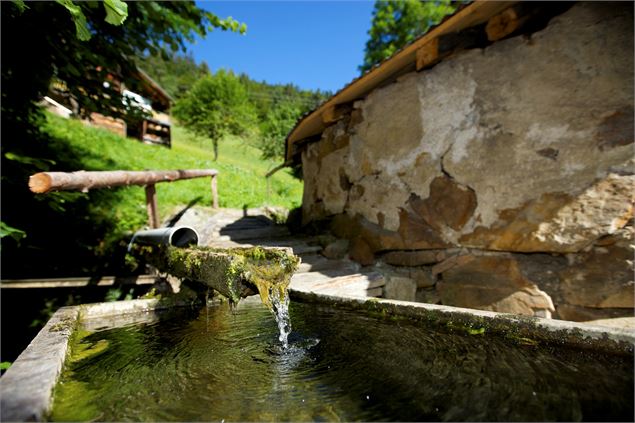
x: 241, y: 180
x: 74, y: 233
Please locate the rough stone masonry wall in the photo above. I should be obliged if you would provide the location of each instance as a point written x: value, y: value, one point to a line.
x: 500, y: 179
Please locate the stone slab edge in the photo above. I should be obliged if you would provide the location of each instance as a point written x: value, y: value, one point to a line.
x: 27, y: 386
x: 516, y: 328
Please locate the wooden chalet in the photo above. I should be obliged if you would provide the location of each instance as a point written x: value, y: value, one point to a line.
x: 149, y: 95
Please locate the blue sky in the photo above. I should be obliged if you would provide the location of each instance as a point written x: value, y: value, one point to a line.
x: 312, y: 44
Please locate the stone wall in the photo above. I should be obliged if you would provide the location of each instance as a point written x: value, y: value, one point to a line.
x: 513, y: 162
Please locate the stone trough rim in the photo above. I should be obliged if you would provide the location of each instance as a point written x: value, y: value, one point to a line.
x: 26, y: 388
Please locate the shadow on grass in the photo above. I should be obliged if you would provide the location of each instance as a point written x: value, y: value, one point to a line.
x: 67, y: 233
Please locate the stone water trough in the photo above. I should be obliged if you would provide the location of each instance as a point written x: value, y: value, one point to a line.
x: 27, y: 388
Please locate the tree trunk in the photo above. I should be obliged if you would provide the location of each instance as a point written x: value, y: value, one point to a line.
x: 215, y: 142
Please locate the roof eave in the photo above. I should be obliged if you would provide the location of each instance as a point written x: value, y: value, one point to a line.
x: 312, y: 123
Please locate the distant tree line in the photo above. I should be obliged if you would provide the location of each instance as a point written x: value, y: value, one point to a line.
x: 215, y: 105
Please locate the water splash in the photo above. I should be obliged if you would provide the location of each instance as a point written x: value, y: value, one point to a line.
x: 280, y: 308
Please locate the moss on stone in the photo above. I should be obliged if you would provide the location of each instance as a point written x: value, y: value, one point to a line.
x: 83, y: 350
x: 65, y: 324
x: 233, y: 272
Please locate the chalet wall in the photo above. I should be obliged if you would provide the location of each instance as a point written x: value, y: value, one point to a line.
x: 523, y: 147
x: 114, y: 125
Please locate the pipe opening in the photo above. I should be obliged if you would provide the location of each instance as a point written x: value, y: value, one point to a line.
x: 184, y: 237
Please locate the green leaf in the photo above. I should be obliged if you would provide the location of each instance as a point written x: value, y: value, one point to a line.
x: 16, y: 234
x: 20, y: 5
x: 42, y: 164
x: 116, y: 11
x: 81, y: 26
x: 5, y: 365
x: 475, y: 331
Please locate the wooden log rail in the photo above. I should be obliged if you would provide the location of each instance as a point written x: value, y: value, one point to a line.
x: 44, y: 182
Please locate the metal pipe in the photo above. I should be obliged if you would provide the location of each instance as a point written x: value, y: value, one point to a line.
x: 181, y: 236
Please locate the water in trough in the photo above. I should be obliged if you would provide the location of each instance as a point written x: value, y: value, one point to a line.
x: 216, y: 363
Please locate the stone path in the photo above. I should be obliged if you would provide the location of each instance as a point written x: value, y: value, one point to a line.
x: 228, y: 228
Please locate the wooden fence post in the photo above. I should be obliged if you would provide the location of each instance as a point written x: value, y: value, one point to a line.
x: 214, y: 193
x: 151, y: 205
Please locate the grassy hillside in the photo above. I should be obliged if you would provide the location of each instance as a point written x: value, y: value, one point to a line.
x: 241, y: 180
x: 73, y: 232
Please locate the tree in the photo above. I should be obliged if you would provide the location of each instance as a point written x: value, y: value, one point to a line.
x: 176, y: 74
x: 216, y: 106
x: 397, y: 23
x: 274, y: 129
x: 278, y: 107
x: 76, y: 44
x: 80, y: 45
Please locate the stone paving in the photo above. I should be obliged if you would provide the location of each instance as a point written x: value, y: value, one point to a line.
x: 228, y: 228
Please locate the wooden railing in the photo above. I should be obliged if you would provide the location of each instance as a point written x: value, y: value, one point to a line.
x: 84, y: 181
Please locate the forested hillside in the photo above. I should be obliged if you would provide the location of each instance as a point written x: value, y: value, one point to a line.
x: 266, y: 112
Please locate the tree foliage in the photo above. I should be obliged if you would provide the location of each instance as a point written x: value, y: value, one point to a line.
x: 397, y: 23
x: 267, y: 114
x: 176, y: 74
x: 76, y: 45
x: 83, y: 43
x: 278, y: 107
x: 266, y: 97
x: 215, y: 107
x: 274, y: 128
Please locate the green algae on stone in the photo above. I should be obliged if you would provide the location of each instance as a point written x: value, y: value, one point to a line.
x: 233, y: 272
x: 80, y: 348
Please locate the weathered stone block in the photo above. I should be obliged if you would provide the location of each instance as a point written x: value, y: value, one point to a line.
x: 416, y: 232
x: 449, y: 204
x: 492, y: 283
x: 427, y: 295
x: 561, y: 222
x: 400, y: 288
x: 544, y: 271
x: 414, y: 258
x: 585, y: 314
x: 423, y: 277
x: 601, y: 278
x: 361, y: 252
x: 336, y: 249
x: 457, y: 260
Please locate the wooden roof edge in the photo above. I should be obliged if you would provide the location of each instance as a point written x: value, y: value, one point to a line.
x: 470, y: 15
x: 154, y: 84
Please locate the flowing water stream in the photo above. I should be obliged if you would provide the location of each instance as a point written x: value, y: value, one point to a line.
x: 280, y: 309
x: 217, y: 364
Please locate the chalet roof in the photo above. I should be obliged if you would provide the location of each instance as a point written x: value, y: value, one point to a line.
x: 315, y: 121
x: 157, y: 90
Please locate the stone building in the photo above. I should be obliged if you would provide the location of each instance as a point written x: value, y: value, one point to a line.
x: 488, y: 164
